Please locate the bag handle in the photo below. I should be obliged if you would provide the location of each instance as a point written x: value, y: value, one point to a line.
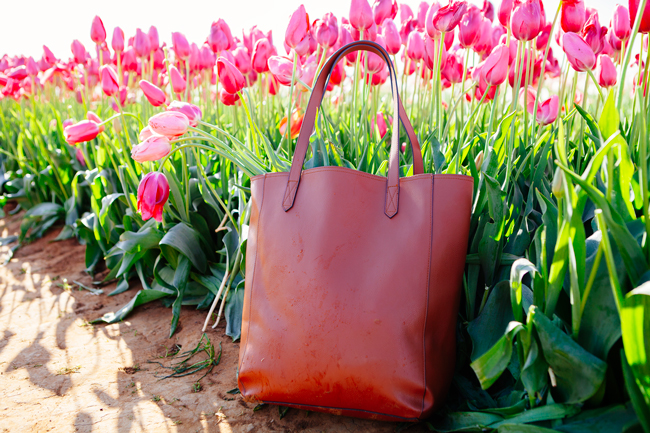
x: 309, y: 119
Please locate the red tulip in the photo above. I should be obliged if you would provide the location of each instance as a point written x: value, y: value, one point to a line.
x: 634, y: 6
x: 81, y: 132
x: 391, y: 37
x: 495, y: 68
x: 153, y: 193
x: 178, y: 82
x: 579, y: 54
x: 488, y: 10
x: 431, y: 48
x: 326, y: 31
x: 594, y: 34
x: 49, y: 56
x: 220, y: 37
x: 606, y: 71
x: 383, y: 10
x: 233, y: 80
x: 573, y: 15
x: 180, y: 45
x: 169, y: 123
x: 110, y: 82
x: 297, y: 28
x: 118, y: 40
x: 263, y: 50
x: 154, y: 95
x: 154, y: 40
x: 338, y: 74
x: 18, y: 73
x: 78, y: 51
x: 95, y: 118
x: 548, y: 110
x: 191, y: 111
x: 453, y: 70
x: 505, y: 10
x: 97, y: 31
x: 621, y: 23
x: 469, y: 27
x: 361, y: 17
x: 448, y: 17
x: 415, y: 46
x: 382, y: 128
x: 527, y: 20
x: 152, y: 148
x: 226, y: 98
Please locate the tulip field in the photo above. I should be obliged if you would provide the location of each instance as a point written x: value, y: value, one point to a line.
x: 142, y: 148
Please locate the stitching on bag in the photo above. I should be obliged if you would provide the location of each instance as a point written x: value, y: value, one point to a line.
x: 250, y: 303
x: 290, y: 193
x: 353, y: 173
x: 426, y: 310
x: 339, y: 408
x: 391, y: 207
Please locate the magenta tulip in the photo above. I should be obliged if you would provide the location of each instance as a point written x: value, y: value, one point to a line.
x: 153, y: 193
x: 226, y: 98
x: 97, y: 31
x: 634, y: 6
x: 594, y: 34
x: 178, y: 82
x: 326, y: 31
x: 580, y: 55
x: 383, y: 10
x: 448, y: 17
x: 469, y: 27
x: 18, y: 73
x: 391, y: 37
x: 229, y: 76
x: 504, y: 12
x: 49, y: 56
x: 527, y: 20
x: 95, y: 118
x: 152, y: 148
x: 154, y: 40
x: 548, y: 110
x: 153, y: 93
x: 573, y: 15
x: 81, y: 132
x: 380, y: 123
x: 169, y: 123
x: 606, y: 71
x: 621, y: 23
x: 415, y: 46
x: 261, y: 53
x: 110, y: 82
x: 220, y: 37
x: 488, y: 10
x: 297, y: 28
x: 191, y: 111
x: 141, y: 43
x: 453, y: 70
x: 180, y: 45
x: 361, y: 17
x: 495, y: 68
x: 78, y: 51
x: 118, y: 40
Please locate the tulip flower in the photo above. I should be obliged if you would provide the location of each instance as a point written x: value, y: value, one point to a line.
x: 169, y: 123
x: 226, y: 98
x: 361, y: 17
x: 326, y: 31
x: 548, y: 110
x: 81, y: 132
x: 110, y: 82
x: 95, y: 118
x: 145, y: 133
x: 407, y: 26
x: 383, y: 10
x: 118, y: 40
x: 180, y: 45
x: 18, y: 73
x: 453, y: 70
x: 78, y: 51
x: 527, y: 20
x: 178, y: 82
x: 31, y: 67
x: 469, y: 27
x: 580, y: 55
x: 381, y: 127
x: 606, y: 71
x: 153, y: 93
x: 448, y: 17
x: 645, y: 18
x: 415, y: 46
x: 621, y: 23
x: 594, y: 34
x: 297, y: 28
x: 141, y: 43
x: 153, y: 193
x: 263, y: 50
x: 152, y: 148
x: 233, y: 80
x: 67, y: 122
x: 97, y: 31
x: 154, y: 40
x: 495, y: 68
x: 49, y: 56
x: 220, y: 37
x: 573, y: 15
x: 80, y: 157
x: 505, y: 11
x: 192, y: 112
x: 488, y: 10
x: 391, y: 37
x: 296, y: 124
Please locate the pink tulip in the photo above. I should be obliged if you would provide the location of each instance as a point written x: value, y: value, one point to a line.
x: 178, y: 82
x: 573, y: 15
x: 383, y: 10
x: 154, y: 40
x: 326, y: 31
x: 382, y: 128
x: 428, y: 25
x: 594, y: 34
x: 484, y: 44
x: 226, y: 98
x: 448, y: 17
x: 548, y: 110
x: 32, y: 67
x: 80, y: 157
x: 543, y: 38
x: 118, y: 40
x: 621, y: 23
x: 110, y: 82
x: 297, y: 28
x: 191, y: 111
x: 580, y: 55
x: 97, y: 31
x: 242, y: 59
x: 81, y: 132
x: 18, y: 73
x: 229, y: 76
x: 527, y: 20
x: 504, y: 12
x: 141, y: 43
x: 415, y: 46
x: 153, y: 193
x: 495, y: 68
x: 606, y: 71
x: 78, y: 51
x: 49, y: 56
x: 67, y: 122
x: 95, y: 118
x: 391, y: 37
x: 338, y: 74
x: 169, y: 123
x: 152, y: 148
x: 634, y: 6
x: 469, y: 27
x: 220, y: 37
x: 180, y: 45
x: 453, y: 70
x: 263, y: 50
x: 405, y: 12
x: 420, y: 20
x: 361, y: 17
x: 488, y: 10
x: 146, y: 133
x: 153, y: 93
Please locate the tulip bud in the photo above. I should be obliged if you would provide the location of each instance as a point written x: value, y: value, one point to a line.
x: 49, y: 56
x: 469, y: 27
x: 152, y: 148
x: 478, y: 161
x: 381, y: 127
x: 606, y: 71
x: 621, y: 23
x: 178, y: 82
x: 80, y: 157
x: 263, y: 50
x: 297, y: 28
x: 145, y: 133
x: 229, y: 76
x: 573, y: 15
x: 391, y: 37
x: 169, y: 123
x: 95, y: 118
x: 415, y: 46
x: 81, y: 132
x: 495, y: 68
x: 361, y: 17
x: 18, y: 73
x: 383, y: 10
x: 110, y: 82
x: 154, y: 40
x: 220, y: 38
x: 180, y: 45
x: 153, y: 193
x: 141, y: 43
x: 192, y: 112
x: 118, y: 40
x: 154, y: 94
x: 580, y: 55
x: 448, y: 17
x: 527, y: 20
x: 97, y: 31
x: 488, y: 10
x: 78, y: 51
x: 504, y: 12
x: 558, y: 183
x: 326, y: 31
x: 548, y: 110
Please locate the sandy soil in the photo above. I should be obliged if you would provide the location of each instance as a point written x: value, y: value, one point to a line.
x: 60, y: 374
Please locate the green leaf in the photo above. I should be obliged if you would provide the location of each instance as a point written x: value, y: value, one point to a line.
x: 519, y: 268
x: 522, y: 428
x: 635, y: 325
x: 542, y: 413
x: 180, y: 282
x: 186, y: 241
x: 492, y: 363
x: 233, y: 312
x: 609, y: 118
x: 600, y: 420
x: 493, y: 321
x: 464, y: 421
x: 142, y: 297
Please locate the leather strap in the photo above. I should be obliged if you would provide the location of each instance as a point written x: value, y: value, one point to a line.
x: 309, y: 119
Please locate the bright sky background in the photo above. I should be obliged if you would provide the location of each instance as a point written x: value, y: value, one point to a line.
x: 28, y: 25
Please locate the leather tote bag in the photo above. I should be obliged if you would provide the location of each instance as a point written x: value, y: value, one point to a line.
x: 353, y: 280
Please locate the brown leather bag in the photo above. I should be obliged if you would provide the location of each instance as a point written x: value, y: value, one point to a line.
x: 353, y: 281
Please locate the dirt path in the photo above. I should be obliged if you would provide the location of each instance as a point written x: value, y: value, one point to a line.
x: 60, y: 374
